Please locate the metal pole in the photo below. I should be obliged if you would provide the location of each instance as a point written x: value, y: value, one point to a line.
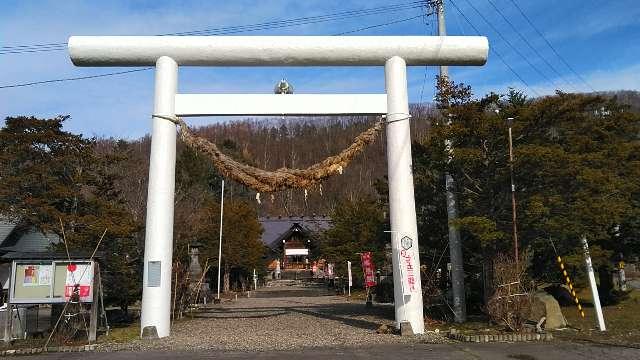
x: 349, y: 278
x: 220, y: 241
x: 255, y: 280
x: 513, y: 195
x: 402, y: 210
x: 455, y: 243
x: 592, y: 283
x: 158, y: 250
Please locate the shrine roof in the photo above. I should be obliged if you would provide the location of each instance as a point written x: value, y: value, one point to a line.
x: 275, y: 227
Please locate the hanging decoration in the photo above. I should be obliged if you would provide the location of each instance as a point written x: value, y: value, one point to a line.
x: 263, y: 181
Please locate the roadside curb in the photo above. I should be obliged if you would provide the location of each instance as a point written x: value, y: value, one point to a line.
x: 500, y: 338
x: 51, y: 349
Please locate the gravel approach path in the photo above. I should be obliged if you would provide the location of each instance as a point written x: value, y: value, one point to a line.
x: 289, y: 316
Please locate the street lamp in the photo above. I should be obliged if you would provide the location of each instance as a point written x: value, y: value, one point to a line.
x: 513, y: 191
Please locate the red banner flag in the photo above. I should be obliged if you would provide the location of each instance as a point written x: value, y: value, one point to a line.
x: 369, y: 269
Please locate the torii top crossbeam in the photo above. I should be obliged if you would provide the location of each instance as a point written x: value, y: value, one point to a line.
x: 277, y: 50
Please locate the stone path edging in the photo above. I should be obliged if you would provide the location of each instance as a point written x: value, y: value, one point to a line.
x: 50, y: 349
x: 500, y: 338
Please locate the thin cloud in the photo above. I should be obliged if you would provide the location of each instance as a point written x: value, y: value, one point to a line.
x: 627, y: 78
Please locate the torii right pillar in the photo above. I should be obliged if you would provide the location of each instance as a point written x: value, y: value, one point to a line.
x: 402, y: 209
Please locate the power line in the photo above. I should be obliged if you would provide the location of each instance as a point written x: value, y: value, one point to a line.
x: 526, y: 59
x: 493, y: 50
x: 307, y: 20
x: 150, y: 68
x: 72, y: 78
x: 426, y: 68
x: 31, y: 46
x: 459, y: 23
x: 551, y: 46
x: 524, y: 39
x: 39, y: 50
x: 378, y: 25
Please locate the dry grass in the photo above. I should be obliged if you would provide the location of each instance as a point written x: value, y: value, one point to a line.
x: 122, y: 334
x: 622, y: 322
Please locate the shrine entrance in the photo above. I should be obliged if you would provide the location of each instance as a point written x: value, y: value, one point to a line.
x: 295, y: 249
x: 167, y: 53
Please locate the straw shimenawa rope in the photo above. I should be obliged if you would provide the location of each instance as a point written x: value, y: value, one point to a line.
x: 264, y: 181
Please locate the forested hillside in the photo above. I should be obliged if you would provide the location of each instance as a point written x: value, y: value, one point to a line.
x: 576, y: 172
x: 630, y: 98
x: 284, y: 142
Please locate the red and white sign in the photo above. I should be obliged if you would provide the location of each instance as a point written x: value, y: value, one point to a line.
x: 80, y: 276
x: 369, y: 269
x: 408, y: 269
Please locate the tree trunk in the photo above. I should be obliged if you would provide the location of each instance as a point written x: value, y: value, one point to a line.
x: 226, y: 279
x: 606, y: 284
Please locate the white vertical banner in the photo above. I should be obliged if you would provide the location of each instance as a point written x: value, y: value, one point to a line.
x: 408, y: 266
x: 349, y: 276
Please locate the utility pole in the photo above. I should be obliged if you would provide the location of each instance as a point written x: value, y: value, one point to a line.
x: 455, y: 243
x: 442, y: 31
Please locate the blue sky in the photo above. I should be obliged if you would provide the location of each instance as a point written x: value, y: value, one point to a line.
x: 600, y: 40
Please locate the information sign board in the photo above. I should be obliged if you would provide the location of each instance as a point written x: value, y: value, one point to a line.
x: 50, y: 281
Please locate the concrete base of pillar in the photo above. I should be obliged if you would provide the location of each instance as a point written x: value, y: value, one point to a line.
x: 405, y: 329
x: 149, y: 333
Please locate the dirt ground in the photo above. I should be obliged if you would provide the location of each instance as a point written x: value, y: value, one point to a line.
x: 290, y: 318
x: 281, y: 318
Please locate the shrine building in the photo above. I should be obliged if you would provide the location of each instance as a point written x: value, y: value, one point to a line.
x: 291, y: 241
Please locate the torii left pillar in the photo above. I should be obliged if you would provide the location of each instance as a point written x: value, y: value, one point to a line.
x: 156, y: 294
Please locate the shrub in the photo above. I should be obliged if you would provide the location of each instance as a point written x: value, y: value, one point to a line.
x: 511, y: 301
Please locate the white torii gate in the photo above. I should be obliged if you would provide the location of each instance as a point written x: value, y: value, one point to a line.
x: 395, y: 53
